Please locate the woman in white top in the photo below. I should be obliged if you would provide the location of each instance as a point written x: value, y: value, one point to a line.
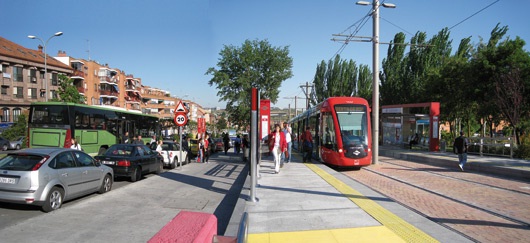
x: 159, y: 146
x: 75, y: 145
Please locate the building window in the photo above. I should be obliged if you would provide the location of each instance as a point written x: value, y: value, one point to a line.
x: 54, y: 94
x: 18, y: 92
x: 41, y: 76
x: 32, y: 93
x: 4, y: 68
x: 4, y: 89
x: 17, y: 74
x: 33, y: 75
x: 54, y: 79
x: 16, y: 114
x: 5, y: 114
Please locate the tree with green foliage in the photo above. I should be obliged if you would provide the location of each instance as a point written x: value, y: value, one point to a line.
x: 341, y: 78
x: 68, y: 92
x: 256, y: 64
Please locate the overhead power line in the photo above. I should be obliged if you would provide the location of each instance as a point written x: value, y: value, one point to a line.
x: 474, y: 14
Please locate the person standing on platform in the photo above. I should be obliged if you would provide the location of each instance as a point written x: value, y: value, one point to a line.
x: 288, y: 139
x: 460, y: 148
x: 307, y: 143
x: 278, y: 147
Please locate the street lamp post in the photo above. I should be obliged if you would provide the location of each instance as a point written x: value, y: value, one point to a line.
x: 45, y: 59
x: 375, y: 71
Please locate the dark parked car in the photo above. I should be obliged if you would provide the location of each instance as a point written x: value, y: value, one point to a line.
x: 48, y: 176
x: 131, y: 160
x: 4, y: 144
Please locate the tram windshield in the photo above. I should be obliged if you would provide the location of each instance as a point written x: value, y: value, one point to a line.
x: 353, y: 124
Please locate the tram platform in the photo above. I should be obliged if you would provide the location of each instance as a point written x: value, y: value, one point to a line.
x: 310, y: 202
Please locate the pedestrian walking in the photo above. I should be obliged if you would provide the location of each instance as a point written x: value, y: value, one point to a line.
x: 307, y: 143
x: 460, y: 148
x: 237, y: 144
x: 286, y: 156
x: 226, y: 142
x: 278, y: 145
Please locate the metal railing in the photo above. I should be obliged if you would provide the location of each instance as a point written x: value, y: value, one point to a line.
x: 242, y: 231
x: 496, y: 146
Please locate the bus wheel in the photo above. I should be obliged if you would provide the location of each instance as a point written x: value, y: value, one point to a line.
x: 102, y: 150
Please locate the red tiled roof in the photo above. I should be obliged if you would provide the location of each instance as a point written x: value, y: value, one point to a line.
x: 11, y: 49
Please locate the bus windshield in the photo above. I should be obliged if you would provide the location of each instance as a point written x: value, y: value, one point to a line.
x: 49, y: 115
x: 353, y: 124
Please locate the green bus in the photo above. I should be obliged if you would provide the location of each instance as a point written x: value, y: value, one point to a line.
x: 96, y: 128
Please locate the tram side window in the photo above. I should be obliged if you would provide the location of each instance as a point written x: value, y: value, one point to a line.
x: 328, y: 134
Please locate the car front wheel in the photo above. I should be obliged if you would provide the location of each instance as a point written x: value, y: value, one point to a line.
x: 5, y: 147
x: 54, y: 200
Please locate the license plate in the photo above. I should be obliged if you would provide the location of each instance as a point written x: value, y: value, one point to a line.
x: 108, y: 162
x: 7, y: 180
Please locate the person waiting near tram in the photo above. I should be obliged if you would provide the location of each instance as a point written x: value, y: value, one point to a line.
x: 307, y: 143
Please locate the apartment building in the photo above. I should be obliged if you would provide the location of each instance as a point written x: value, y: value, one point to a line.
x: 22, y: 78
x: 22, y: 73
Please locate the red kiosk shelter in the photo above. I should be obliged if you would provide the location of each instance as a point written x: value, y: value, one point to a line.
x: 401, y: 122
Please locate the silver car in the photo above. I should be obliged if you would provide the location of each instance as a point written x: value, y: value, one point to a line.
x: 49, y: 176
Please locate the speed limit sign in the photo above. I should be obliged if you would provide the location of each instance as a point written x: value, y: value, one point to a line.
x: 180, y: 119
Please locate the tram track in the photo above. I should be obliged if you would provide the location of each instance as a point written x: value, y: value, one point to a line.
x: 521, y: 222
x: 462, y: 179
x: 477, y: 206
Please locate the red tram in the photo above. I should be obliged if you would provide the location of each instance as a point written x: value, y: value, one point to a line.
x: 341, y: 130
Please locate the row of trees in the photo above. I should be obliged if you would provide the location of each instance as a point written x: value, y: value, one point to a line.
x: 477, y: 85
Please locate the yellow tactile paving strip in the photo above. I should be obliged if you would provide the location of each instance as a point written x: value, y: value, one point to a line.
x: 362, y: 234
x: 393, y: 229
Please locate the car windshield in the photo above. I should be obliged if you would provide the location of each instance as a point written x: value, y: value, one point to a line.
x: 19, y: 162
x: 123, y: 150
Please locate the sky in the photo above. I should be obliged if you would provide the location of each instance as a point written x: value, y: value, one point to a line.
x: 170, y: 44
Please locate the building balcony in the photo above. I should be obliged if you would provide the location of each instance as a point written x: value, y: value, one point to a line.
x: 81, y: 90
x: 109, y: 93
x: 78, y: 74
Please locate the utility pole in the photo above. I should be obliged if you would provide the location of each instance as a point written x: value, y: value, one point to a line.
x: 306, y: 92
x: 295, y: 105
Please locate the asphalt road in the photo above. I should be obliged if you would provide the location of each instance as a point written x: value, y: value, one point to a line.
x: 11, y: 214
